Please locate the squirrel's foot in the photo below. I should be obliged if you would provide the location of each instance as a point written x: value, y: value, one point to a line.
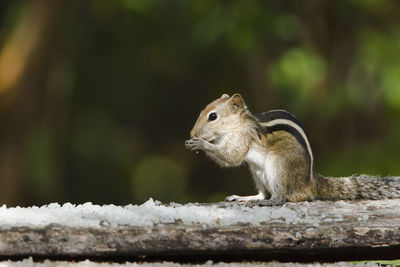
x: 233, y: 198
x: 195, y: 143
x: 259, y: 196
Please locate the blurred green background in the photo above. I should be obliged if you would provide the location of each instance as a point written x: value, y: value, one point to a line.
x: 97, y: 97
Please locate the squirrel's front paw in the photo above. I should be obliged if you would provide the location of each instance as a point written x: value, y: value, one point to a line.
x: 233, y: 198
x: 194, y: 143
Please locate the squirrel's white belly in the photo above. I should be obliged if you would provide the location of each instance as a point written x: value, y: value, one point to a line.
x: 264, y: 167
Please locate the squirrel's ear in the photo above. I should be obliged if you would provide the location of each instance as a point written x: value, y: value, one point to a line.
x: 237, y: 101
x: 225, y: 96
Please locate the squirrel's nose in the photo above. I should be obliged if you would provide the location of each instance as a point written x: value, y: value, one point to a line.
x: 192, y: 133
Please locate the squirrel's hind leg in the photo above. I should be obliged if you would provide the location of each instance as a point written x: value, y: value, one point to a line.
x: 259, y: 196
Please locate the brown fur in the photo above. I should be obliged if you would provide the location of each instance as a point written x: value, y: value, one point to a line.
x: 295, y: 179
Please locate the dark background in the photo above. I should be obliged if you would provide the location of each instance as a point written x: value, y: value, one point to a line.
x: 97, y: 97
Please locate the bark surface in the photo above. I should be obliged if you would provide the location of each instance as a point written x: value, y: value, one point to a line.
x: 327, y: 231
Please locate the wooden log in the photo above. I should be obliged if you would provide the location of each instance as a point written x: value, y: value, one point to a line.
x: 29, y: 262
x: 310, y: 231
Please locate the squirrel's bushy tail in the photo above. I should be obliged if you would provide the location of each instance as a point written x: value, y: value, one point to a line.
x: 356, y: 187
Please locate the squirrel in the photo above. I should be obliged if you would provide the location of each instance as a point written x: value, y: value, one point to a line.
x: 277, y: 150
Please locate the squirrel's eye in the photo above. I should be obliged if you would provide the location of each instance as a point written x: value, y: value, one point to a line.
x: 212, y: 116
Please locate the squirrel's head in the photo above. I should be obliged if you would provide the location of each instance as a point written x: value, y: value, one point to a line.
x: 220, y: 117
